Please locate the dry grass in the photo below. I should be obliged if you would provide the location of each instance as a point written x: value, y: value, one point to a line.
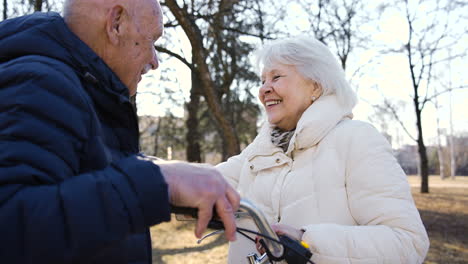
x: 444, y: 212
x: 175, y: 242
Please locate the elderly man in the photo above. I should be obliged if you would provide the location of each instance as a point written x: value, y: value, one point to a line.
x: 73, y: 186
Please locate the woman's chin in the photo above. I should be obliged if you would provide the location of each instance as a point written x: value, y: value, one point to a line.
x: 272, y: 121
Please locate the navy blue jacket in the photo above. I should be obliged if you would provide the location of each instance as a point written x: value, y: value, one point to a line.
x: 73, y: 188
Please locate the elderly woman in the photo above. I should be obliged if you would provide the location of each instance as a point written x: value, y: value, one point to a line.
x: 318, y: 175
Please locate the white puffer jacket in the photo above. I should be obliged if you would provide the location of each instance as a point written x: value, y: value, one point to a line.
x: 340, y: 182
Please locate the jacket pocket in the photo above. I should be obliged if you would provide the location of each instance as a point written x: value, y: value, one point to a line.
x: 259, y: 163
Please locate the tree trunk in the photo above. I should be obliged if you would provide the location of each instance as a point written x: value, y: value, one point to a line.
x: 424, y: 164
x: 441, y: 156
x: 156, y: 137
x: 5, y: 9
x: 453, y: 165
x: 38, y: 6
x: 193, y: 135
x: 424, y: 167
x: 440, y: 149
x: 209, y: 88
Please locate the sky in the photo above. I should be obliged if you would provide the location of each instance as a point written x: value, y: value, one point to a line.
x: 381, y: 76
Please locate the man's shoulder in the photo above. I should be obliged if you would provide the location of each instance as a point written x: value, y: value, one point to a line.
x: 36, y: 64
x: 49, y: 80
x: 37, y: 70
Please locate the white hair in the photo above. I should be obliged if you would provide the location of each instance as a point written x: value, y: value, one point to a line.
x: 313, y: 60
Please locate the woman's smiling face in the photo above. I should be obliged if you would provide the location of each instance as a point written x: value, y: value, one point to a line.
x: 286, y: 94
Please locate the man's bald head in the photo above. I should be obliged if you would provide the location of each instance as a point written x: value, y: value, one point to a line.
x: 80, y: 14
x: 119, y: 32
x: 76, y: 9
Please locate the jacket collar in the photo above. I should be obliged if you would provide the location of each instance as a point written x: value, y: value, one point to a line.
x: 315, y: 123
x: 321, y: 117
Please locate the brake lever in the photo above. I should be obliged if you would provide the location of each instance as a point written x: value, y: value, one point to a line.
x: 193, y: 212
x: 210, y: 234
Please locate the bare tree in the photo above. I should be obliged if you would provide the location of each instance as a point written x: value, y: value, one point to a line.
x: 422, y: 51
x: 425, y: 51
x: 194, y: 34
x: 218, y: 63
x: 336, y: 23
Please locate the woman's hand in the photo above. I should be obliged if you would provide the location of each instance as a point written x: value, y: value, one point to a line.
x: 290, y: 231
x: 281, y: 229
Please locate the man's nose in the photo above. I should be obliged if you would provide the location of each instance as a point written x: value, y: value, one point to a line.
x: 155, y: 60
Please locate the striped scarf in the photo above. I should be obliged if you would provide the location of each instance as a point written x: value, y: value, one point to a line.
x: 281, y: 138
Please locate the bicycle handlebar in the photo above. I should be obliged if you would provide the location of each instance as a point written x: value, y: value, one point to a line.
x: 276, y: 249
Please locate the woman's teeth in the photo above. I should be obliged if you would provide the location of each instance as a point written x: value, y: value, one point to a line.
x: 272, y: 102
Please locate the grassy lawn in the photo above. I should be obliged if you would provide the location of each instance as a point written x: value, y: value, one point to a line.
x: 444, y: 212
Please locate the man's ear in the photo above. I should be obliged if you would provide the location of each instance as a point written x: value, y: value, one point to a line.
x: 114, y: 20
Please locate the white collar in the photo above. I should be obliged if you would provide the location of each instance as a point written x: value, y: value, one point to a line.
x: 315, y: 123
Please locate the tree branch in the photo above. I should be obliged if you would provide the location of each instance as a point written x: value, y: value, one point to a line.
x: 245, y: 33
x: 446, y: 91
x: 393, y: 111
x: 175, y: 55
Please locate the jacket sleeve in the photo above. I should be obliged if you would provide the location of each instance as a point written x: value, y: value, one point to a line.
x: 389, y: 228
x: 49, y: 213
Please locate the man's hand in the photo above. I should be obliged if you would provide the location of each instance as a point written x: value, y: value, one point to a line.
x: 201, y: 186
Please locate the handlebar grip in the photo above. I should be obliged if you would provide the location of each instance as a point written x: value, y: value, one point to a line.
x: 214, y: 223
x: 193, y: 212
